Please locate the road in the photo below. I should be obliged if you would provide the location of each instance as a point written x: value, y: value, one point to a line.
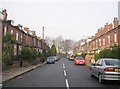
x: 61, y: 74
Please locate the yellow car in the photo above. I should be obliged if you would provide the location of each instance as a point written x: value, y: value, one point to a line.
x: 71, y: 58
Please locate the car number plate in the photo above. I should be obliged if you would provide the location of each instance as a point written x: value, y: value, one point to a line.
x: 117, y: 70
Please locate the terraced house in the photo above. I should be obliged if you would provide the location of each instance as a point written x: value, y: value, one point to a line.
x: 24, y: 37
x: 105, y: 37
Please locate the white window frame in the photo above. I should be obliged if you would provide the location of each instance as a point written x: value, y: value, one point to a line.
x: 104, y: 41
x: 17, y: 36
x: 96, y: 44
x: 21, y: 37
x: 115, y: 37
x: 11, y: 31
x: 15, y: 49
x: 108, y: 39
x: 100, y: 42
x: 5, y: 30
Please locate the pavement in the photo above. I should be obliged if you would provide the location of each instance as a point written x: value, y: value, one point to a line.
x: 15, y: 72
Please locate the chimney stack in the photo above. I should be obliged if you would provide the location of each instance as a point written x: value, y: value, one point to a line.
x: 4, y: 12
x: 34, y: 33
x: 110, y: 26
x: 20, y: 26
x: 26, y: 29
x: 39, y: 38
x: 115, y: 22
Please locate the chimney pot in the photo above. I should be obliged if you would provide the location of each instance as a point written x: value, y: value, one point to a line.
x: 4, y: 12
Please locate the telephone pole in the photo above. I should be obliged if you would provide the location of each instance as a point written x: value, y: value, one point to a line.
x: 43, y: 33
x: 42, y: 41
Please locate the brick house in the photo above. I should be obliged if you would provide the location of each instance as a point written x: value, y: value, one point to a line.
x: 105, y: 37
x: 23, y: 37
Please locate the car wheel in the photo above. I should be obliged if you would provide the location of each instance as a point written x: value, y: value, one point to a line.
x: 91, y: 74
x: 100, y: 79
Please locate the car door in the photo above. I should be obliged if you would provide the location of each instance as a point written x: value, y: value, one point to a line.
x: 98, y: 68
x: 93, y: 68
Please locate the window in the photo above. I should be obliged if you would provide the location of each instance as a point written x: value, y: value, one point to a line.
x: 17, y: 36
x: 93, y: 44
x: 21, y: 37
x: 109, y: 39
x: 100, y: 62
x: 104, y: 41
x: 115, y: 37
x: 99, y: 42
x: 112, y: 62
x: 96, y: 44
x: 15, y: 49
x: 5, y: 30
x: 11, y: 31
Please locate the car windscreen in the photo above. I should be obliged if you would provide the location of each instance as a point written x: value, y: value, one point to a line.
x: 50, y: 59
x: 112, y: 62
x: 79, y: 58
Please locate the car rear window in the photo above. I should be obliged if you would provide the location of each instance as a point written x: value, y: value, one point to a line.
x: 112, y: 62
x: 50, y: 58
x: 79, y: 58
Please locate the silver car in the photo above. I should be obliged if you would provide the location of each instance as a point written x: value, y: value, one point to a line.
x: 106, y: 69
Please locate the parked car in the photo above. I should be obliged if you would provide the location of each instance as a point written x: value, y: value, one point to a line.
x: 56, y: 57
x: 71, y: 57
x: 106, y: 69
x: 50, y: 60
x: 79, y: 60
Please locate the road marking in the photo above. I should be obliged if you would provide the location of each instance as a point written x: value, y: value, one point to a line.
x: 64, y: 73
x: 63, y: 64
x: 63, y: 67
x: 1, y: 85
x: 67, y: 84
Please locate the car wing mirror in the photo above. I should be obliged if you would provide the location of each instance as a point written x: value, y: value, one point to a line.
x: 93, y: 64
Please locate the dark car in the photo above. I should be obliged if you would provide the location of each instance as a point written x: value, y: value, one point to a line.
x: 56, y: 57
x: 50, y: 60
x: 106, y: 69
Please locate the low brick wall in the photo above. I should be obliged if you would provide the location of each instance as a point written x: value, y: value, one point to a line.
x: 25, y: 63
x: 16, y: 64
x: 37, y: 61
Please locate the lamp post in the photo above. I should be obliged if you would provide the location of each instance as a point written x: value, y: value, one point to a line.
x: 1, y: 54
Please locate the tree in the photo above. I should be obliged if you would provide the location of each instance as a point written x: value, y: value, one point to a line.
x: 53, y: 50
x: 8, y: 40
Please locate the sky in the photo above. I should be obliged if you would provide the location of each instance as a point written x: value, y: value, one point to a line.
x: 71, y: 19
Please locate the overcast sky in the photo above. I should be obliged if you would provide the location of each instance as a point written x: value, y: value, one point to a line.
x: 72, y: 19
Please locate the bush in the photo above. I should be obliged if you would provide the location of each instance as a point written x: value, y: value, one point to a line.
x: 118, y: 52
x: 105, y: 53
x: 29, y: 54
x: 5, y: 58
x: 83, y: 55
x: 25, y: 54
x: 33, y: 55
x: 114, y: 52
x: 96, y: 56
